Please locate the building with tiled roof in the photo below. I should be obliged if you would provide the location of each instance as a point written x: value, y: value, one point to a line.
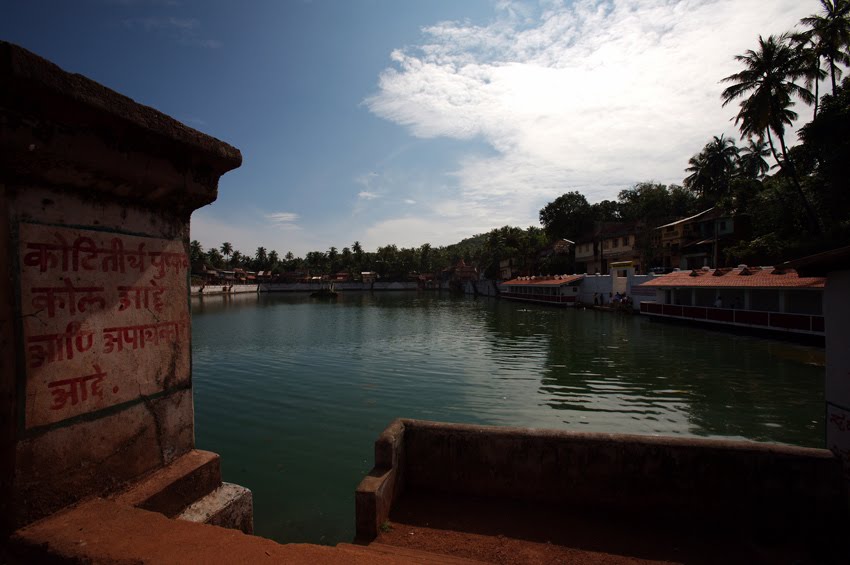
x: 561, y: 290
x: 767, y: 297
x: 740, y: 277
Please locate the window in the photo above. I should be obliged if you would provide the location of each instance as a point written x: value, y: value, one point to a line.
x: 616, y: 242
x: 722, y: 226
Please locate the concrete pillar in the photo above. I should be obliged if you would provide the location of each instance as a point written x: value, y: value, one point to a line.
x: 781, y: 301
x: 835, y: 266
x: 837, y: 390
x: 746, y: 299
x: 96, y: 192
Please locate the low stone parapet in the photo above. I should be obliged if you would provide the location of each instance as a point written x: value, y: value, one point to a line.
x: 763, y: 486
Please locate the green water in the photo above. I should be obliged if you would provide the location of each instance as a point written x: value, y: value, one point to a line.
x: 292, y: 392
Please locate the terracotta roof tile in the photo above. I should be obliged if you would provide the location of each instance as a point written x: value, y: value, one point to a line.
x: 749, y: 277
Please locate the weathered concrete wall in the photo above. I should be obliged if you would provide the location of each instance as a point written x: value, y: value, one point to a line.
x: 339, y: 287
x: 95, y: 194
x: 772, y: 486
x: 211, y: 289
x: 481, y: 288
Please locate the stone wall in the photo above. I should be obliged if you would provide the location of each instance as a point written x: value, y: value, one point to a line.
x: 95, y: 196
x: 339, y: 287
x: 761, y: 485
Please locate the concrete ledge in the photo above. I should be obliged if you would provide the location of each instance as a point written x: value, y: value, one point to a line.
x: 764, y: 486
x: 406, y: 554
x: 63, y: 129
x: 377, y: 492
x: 229, y: 506
x: 102, y: 531
x: 172, y: 488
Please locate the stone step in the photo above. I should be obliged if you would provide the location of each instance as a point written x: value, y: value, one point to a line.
x: 406, y: 555
x: 229, y: 506
x: 177, y: 485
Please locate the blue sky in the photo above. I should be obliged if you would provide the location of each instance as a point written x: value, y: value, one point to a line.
x: 401, y: 121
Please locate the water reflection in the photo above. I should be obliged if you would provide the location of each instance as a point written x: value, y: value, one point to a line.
x: 292, y: 392
x: 626, y: 374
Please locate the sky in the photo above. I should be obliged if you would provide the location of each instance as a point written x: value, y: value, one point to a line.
x: 411, y: 122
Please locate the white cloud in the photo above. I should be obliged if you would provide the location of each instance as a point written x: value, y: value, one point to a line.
x: 154, y: 24
x: 366, y: 195
x: 413, y: 232
x: 591, y: 96
x: 283, y: 220
x: 409, y: 201
x: 283, y: 217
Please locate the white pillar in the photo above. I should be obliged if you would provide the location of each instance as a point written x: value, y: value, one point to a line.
x: 746, y: 300
x: 782, y: 301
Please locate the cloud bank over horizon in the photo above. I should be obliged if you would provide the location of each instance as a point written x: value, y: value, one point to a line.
x: 529, y: 101
x: 590, y: 96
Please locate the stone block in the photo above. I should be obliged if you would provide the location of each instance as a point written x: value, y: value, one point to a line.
x: 172, y: 488
x: 229, y: 506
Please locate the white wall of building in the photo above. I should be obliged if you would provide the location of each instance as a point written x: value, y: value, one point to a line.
x: 601, y: 284
x: 638, y: 294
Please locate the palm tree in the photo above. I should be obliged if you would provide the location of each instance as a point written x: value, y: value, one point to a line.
x: 214, y: 258
x: 260, y: 258
x: 425, y: 258
x: 810, y: 55
x: 768, y: 80
x: 195, y: 251
x: 830, y: 32
x: 357, y: 249
x: 315, y: 261
x: 235, y: 258
x: 226, y: 249
x: 345, y: 256
x: 751, y: 161
x: 274, y: 258
x: 712, y: 168
x: 332, y: 255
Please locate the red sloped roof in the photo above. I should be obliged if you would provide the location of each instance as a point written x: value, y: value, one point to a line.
x: 752, y: 277
x: 544, y: 281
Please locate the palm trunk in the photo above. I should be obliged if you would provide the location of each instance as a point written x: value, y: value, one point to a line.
x: 832, y: 73
x: 810, y: 212
x: 772, y: 148
x: 817, y: 90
